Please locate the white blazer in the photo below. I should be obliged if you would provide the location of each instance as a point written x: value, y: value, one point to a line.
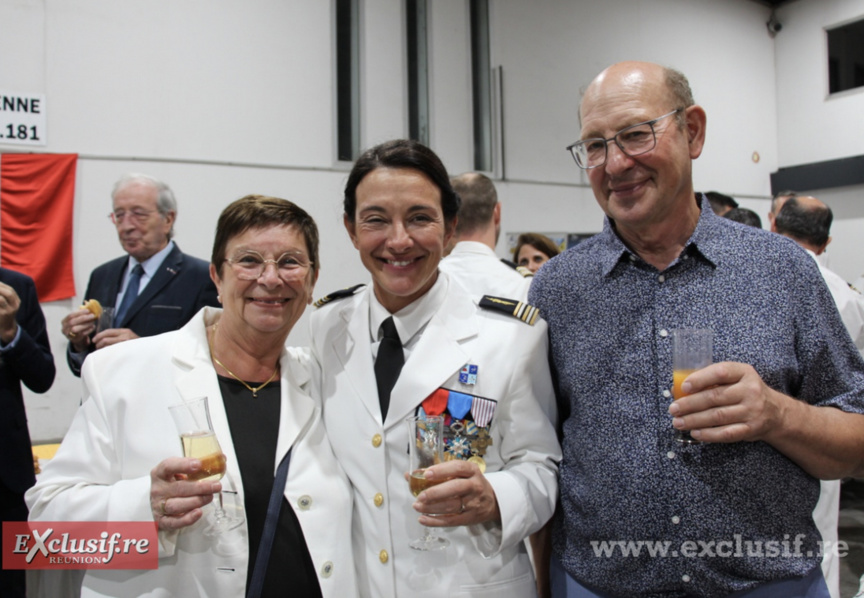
x: 483, y: 561
x: 101, y: 471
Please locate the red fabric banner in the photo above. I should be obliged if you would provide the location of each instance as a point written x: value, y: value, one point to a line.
x: 37, y: 193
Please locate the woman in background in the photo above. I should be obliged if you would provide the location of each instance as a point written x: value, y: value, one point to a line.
x: 533, y: 250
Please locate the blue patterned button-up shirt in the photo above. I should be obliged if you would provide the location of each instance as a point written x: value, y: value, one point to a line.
x: 717, y: 517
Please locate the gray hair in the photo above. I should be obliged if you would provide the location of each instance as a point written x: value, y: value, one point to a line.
x: 165, y: 201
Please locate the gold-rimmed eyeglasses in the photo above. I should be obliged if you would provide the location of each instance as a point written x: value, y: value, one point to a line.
x: 250, y: 265
x: 634, y: 140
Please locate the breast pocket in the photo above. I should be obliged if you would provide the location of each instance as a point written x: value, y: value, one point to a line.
x: 164, y: 318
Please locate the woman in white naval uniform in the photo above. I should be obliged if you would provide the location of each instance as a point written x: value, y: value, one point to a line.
x: 400, y: 211
x: 120, y: 460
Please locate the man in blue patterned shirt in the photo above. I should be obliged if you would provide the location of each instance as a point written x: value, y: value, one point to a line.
x: 641, y: 514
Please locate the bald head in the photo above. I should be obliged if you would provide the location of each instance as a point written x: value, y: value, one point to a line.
x: 807, y: 221
x: 635, y: 78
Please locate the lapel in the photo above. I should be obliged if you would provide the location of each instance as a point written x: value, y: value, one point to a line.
x: 109, y: 288
x: 197, y: 378
x: 438, y: 356
x: 351, y: 346
x: 297, y: 409
x: 169, y: 268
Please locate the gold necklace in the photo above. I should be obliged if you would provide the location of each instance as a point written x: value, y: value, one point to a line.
x: 233, y: 375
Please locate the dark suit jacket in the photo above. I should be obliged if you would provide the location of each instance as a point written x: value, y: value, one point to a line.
x: 30, y: 362
x: 180, y: 288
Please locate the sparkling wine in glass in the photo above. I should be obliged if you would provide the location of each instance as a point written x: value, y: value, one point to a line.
x: 692, y: 349
x: 425, y: 449
x: 199, y: 441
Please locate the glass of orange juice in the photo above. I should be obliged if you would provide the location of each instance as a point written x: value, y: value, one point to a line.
x: 692, y: 349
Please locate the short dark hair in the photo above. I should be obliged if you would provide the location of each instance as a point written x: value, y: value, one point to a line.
x: 261, y: 211
x: 811, y: 225
x: 719, y: 201
x: 479, y: 198
x: 776, y: 198
x: 744, y: 216
x: 541, y: 243
x: 402, y: 153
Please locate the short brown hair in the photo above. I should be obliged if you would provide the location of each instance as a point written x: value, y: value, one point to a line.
x: 261, y: 211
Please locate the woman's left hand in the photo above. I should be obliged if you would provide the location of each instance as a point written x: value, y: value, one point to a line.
x: 465, y: 497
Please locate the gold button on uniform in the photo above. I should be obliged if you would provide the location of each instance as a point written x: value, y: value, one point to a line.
x: 376, y: 440
x: 304, y: 502
x: 327, y: 569
x: 379, y: 499
x: 383, y: 557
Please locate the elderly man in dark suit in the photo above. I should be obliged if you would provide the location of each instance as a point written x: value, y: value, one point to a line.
x: 155, y: 288
x: 25, y: 356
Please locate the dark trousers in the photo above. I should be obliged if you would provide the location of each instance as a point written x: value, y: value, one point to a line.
x: 12, y: 508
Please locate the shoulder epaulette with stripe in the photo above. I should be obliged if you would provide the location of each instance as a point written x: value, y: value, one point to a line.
x: 511, y: 307
x: 525, y: 272
x: 340, y: 294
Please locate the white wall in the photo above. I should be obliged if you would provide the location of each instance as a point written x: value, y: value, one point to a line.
x: 222, y: 98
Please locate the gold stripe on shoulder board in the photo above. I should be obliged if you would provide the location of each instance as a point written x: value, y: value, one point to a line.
x: 340, y: 294
x: 523, y: 311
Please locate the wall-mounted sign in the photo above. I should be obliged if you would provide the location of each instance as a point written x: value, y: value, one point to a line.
x: 22, y: 118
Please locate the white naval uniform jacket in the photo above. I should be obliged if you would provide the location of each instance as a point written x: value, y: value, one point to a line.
x: 123, y: 429
x: 482, y: 561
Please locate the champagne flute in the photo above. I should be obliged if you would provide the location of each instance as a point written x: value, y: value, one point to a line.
x: 199, y: 441
x: 425, y: 448
x: 692, y: 349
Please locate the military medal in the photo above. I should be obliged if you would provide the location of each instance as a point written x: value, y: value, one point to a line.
x: 468, y: 374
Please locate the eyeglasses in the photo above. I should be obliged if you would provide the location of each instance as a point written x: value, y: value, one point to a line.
x: 137, y: 215
x: 250, y: 265
x: 634, y: 140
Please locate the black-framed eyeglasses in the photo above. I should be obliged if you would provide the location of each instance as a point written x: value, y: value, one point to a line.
x: 138, y: 215
x: 250, y: 265
x: 633, y: 140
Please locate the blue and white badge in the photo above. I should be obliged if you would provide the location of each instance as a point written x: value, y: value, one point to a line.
x: 468, y: 374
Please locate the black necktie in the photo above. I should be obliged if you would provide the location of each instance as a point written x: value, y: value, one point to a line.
x: 388, y: 364
x: 130, y: 295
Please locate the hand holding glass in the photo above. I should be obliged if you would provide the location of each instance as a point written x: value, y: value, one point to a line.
x: 106, y: 319
x: 199, y: 441
x: 692, y: 349
x: 425, y: 449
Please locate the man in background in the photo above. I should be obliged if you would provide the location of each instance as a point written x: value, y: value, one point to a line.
x: 807, y: 221
x: 720, y: 203
x: 776, y: 203
x: 744, y: 216
x: 155, y: 288
x: 25, y: 357
x: 472, y: 261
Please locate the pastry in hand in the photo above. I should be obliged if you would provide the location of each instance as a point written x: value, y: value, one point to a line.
x: 94, y: 307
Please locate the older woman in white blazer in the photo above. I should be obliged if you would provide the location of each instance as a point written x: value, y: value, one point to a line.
x: 482, y: 364
x: 121, y: 459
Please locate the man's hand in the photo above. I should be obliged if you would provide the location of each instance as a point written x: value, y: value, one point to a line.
x: 112, y: 336
x: 9, y: 305
x: 77, y: 327
x: 731, y: 403
x: 728, y: 402
x: 465, y: 497
x: 175, y: 501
